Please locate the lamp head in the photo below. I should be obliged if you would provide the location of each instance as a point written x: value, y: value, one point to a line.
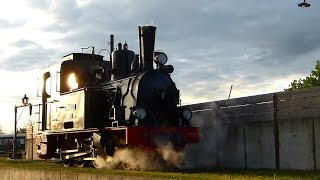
x: 304, y: 4
x: 25, y: 100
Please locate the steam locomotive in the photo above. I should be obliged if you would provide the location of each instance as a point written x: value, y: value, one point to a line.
x: 92, y: 107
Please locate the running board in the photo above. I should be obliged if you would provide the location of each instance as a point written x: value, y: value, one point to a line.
x: 76, y: 155
x: 89, y: 159
x: 69, y: 151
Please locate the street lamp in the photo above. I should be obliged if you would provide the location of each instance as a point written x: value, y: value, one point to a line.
x: 25, y: 102
x: 304, y: 4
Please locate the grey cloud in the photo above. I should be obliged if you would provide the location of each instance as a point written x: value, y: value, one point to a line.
x: 56, y: 28
x: 221, y: 41
x: 40, y: 4
x: 30, y: 58
x: 24, y: 43
x: 66, y: 12
x: 7, y: 24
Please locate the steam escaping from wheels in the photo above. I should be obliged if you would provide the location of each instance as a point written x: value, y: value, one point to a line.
x: 142, y: 159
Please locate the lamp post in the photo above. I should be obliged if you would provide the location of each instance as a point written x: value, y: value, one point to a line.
x: 25, y: 102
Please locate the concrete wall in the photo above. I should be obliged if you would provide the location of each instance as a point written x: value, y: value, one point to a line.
x: 252, y: 126
x: 232, y: 151
x: 31, y: 149
x: 296, y: 144
x: 22, y: 174
x: 260, y: 145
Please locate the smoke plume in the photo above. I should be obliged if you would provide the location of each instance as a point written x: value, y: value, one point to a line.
x: 195, y: 156
x: 212, y: 135
x: 136, y: 158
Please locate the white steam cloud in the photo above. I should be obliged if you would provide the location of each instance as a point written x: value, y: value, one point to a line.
x: 203, y: 155
x: 212, y: 135
x: 137, y: 158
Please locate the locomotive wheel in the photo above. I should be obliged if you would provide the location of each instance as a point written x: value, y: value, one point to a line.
x: 126, y: 166
x: 67, y: 163
x: 80, y: 163
x: 96, y: 164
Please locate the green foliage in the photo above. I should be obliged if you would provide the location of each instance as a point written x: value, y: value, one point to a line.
x: 313, y: 80
x: 21, y: 131
x: 51, y: 166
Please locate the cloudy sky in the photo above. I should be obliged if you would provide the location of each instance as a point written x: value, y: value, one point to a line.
x: 256, y: 46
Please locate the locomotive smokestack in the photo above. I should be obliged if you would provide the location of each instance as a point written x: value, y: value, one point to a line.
x: 146, y: 41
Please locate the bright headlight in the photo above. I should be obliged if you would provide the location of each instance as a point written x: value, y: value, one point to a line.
x: 72, y: 81
x: 160, y: 58
x: 140, y: 113
x: 187, y: 114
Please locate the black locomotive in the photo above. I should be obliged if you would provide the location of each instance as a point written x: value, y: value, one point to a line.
x: 97, y: 106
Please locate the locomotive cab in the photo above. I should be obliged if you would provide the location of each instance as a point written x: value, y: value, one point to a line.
x: 83, y: 102
x: 80, y: 70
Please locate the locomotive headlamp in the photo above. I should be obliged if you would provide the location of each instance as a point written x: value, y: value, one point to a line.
x: 160, y: 58
x: 186, y: 114
x: 140, y: 113
x: 72, y: 81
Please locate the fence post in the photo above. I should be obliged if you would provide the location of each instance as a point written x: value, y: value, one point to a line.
x: 314, y: 145
x: 245, y: 147
x: 276, y: 130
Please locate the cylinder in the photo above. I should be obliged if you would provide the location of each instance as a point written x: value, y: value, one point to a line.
x: 146, y: 41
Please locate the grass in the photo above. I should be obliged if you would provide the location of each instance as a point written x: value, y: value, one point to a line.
x: 225, y: 174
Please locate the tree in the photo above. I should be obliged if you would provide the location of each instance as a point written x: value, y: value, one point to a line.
x: 313, y: 80
x: 21, y: 131
x: 1, y: 130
